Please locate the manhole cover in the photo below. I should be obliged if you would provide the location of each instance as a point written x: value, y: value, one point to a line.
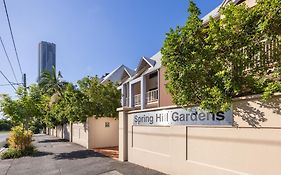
x: 111, y: 173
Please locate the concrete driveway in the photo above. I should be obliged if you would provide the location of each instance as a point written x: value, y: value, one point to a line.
x: 57, y: 157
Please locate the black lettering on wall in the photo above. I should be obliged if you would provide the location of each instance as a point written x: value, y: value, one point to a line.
x: 182, y: 117
x: 175, y: 116
x: 202, y: 116
x: 151, y: 120
x: 220, y: 116
x: 158, y: 117
x: 213, y: 116
x: 193, y: 117
x: 136, y: 119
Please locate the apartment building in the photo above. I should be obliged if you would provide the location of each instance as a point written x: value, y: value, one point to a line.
x: 145, y: 87
x: 155, y: 133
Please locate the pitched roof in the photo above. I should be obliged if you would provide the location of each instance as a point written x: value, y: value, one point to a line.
x: 214, y: 14
x: 148, y: 61
x: 130, y: 72
x: 116, y: 74
x: 126, y: 74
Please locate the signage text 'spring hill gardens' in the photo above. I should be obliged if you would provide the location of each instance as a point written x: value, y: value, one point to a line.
x: 182, y: 116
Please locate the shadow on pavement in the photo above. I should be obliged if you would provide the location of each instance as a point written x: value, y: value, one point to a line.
x: 42, y: 154
x: 3, y: 144
x: 81, y: 154
x: 53, y: 140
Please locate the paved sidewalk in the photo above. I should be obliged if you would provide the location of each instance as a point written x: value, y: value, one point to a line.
x: 57, y: 157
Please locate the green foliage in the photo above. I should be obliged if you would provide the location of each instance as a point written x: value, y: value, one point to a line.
x: 271, y: 89
x: 11, y: 109
x: 74, y: 106
x: 26, y: 109
x: 55, y: 102
x: 5, y: 125
x: 209, y: 65
x: 103, y: 99
x: 51, y: 83
x: 13, y: 153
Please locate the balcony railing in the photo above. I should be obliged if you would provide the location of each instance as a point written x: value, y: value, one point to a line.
x: 152, y: 96
x: 126, y: 101
x: 137, y: 99
x: 266, y: 54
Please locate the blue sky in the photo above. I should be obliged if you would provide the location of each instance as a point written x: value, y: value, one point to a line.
x: 92, y: 36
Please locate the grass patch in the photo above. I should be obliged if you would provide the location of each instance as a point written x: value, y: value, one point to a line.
x: 13, y: 153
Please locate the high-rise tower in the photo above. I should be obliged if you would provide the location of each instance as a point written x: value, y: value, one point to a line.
x: 46, y: 57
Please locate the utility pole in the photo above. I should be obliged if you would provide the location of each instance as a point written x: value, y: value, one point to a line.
x: 24, y: 81
x: 25, y: 93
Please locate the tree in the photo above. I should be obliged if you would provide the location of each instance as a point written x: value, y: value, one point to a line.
x: 209, y: 65
x: 104, y: 99
x: 72, y: 103
x: 53, y: 87
x: 5, y: 125
x: 26, y: 109
x: 74, y: 106
x: 51, y: 83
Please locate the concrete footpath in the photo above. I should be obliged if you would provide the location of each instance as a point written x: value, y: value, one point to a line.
x: 55, y: 157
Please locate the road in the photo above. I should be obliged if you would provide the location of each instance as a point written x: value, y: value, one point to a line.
x: 3, y: 137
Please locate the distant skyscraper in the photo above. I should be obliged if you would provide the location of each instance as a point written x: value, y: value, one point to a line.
x: 46, y: 57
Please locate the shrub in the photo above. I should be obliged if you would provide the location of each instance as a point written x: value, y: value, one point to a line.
x: 12, y: 153
x: 19, y: 143
x: 19, y: 138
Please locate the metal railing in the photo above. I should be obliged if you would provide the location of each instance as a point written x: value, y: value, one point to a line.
x: 152, y: 96
x: 265, y: 54
x: 137, y: 99
x: 126, y: 101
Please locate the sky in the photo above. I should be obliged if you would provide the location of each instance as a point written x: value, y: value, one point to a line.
x: 92, y: 37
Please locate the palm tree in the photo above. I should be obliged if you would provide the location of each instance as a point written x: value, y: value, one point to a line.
x: 51, y: 83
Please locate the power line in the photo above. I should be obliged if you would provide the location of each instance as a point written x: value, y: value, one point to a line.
x: 1, y: 85
x: 8, y: 80
x: 5, y: 85
x: 17, y: 84
x: 8, y: 59
x: 12, y: 37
